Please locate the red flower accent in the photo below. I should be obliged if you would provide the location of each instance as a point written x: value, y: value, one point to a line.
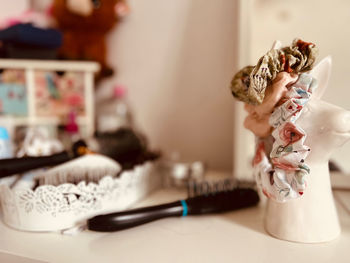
x: 287, y: 68
x: 290, y: 134
x: 259, y: 154
x: 302, y: 45
x: 283, y: 59
x: 283, y: 165
x: 291, y: 106
x: 301, y: 193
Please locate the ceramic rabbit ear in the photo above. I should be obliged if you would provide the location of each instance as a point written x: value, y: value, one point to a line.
x: 322, y: 72
x: 276, y: 45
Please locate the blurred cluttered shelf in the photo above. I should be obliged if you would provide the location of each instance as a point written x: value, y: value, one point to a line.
x: 34, y: 92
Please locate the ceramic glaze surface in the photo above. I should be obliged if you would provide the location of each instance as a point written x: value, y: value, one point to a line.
x: 313, y: 217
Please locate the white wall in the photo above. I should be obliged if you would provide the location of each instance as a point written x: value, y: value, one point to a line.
x: 325, y: 23
x: 12, y: 8
x: 177, y: 59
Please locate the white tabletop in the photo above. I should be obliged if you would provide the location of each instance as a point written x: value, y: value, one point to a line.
x: 233, y: 237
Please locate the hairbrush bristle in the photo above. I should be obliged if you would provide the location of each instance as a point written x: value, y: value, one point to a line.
x: 89, y: 168
x: 207, y: 187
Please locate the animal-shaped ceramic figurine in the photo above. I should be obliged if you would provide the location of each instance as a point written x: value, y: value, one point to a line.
x: 296, y: 134
x: 312, y: 218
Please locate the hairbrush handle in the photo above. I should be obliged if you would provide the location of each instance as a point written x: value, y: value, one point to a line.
x: 19, y: 165
x: 205, y: 204
x: 12, y: 166
x: 127, y: 219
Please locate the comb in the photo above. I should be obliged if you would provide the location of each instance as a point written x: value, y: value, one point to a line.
x: 89, y: 168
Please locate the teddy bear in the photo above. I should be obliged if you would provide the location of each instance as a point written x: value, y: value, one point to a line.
x: 85, y: 24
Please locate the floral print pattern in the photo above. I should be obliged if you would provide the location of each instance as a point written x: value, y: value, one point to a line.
x: 290, y: 134
x: 250, y: 83
x: 279, y: 163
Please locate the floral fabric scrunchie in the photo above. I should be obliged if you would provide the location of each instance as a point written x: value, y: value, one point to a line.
x: 250, y: 83
x: 279, y: 163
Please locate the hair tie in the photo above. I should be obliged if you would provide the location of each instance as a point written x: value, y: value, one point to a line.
x: 279, y: 164
x: 274, y: 105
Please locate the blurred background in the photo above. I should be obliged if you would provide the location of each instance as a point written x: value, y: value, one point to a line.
x: 175, y: 60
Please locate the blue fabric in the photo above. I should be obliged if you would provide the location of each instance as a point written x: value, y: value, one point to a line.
x: 27, y: 34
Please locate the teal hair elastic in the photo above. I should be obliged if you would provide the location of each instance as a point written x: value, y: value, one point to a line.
x: 185, y: 208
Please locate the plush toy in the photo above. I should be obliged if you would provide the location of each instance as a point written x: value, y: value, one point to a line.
x: 84, y: 24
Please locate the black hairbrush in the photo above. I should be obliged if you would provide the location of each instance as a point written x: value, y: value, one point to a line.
x: 213, y: 202
x: 19, y: 165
